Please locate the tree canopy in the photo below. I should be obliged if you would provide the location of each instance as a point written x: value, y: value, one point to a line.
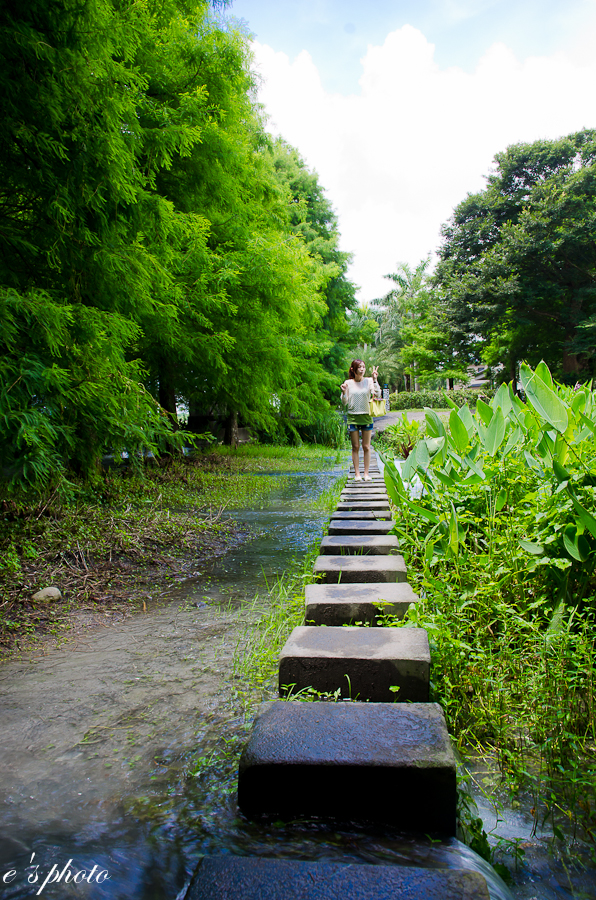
x: 517, y: 266
x: 155, y: 246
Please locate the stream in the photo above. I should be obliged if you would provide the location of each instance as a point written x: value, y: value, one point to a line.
x: 119, y: 749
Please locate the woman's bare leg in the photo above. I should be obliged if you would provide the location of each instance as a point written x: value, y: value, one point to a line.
x: 355, y: 439
x: 366, y: 437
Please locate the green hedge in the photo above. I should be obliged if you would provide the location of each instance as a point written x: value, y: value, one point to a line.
x: 436, y: 399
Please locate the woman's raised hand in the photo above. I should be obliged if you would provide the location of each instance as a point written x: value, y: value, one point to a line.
x: 375, y: 372
x: 344, y: 386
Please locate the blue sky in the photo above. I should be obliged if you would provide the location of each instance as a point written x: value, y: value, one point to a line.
x: 336, y: 32
x: 401, y: 106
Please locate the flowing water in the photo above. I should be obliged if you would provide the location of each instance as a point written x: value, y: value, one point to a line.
x: 119, y: 750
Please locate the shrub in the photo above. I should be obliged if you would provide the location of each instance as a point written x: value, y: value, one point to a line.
x: 436, y: 399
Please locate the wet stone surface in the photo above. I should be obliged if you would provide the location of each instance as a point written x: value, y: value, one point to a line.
x: 382, y: 665
x: 386, y: 763
x: 266, y: 879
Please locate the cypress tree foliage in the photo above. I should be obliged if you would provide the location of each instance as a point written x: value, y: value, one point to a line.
x: 146, y: 250
x: 75, y: 271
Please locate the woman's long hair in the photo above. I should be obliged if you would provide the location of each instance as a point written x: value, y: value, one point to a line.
x: 356, y: 363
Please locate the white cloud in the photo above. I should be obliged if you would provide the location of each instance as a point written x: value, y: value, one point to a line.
x: 397, y: 157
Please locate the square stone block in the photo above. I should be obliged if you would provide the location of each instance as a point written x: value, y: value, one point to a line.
x: 370, y: 492
x: 359, y: 514
x: 257, y: 878
x: 359, y: 544
x: 370, y: 505
x: 360, y: 526
x: 387, y: 763
x: 350, y: 569
x: 342, y: 604
x: 364, y: 663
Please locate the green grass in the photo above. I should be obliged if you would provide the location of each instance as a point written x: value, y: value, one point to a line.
x: 256, y: 659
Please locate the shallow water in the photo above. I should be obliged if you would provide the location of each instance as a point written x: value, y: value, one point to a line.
x: 119, y: 750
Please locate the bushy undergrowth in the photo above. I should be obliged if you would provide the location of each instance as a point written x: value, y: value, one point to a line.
x: 501, y: 547
x: 436, y: 399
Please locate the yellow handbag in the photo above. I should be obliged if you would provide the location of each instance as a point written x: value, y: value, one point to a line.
x: 376, y: 407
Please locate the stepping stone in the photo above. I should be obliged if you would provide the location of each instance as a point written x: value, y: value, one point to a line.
x: 342, y: 604
x: 359, y: 514
x: 363, y: 504
x: 375, y: 660
x: 358, y: 544
x: 364, y: 493
x: 359, y: 569
x: 360, y: 526
x: 257, y: 878
x: 386, y: 763
x: 362, y: 497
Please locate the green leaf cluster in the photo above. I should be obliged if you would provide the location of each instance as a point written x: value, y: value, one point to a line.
x: 496, y: 521
x: 516, y: 270
x: 150, y: 253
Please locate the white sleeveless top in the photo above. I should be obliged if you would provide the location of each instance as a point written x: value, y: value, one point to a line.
x: 358, y: 394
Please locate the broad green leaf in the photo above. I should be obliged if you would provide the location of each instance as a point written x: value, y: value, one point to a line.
x: 529, y: 547
x: 543, y: 372
x: 422, y: 456
x: 476, y: 469
x: 501, y: 500
x: 435, y: 445
x: 514, y: 438
x: 545, y: 447
x: 576, y: 544
x: 392, y: 490
x: 449, y: 401
x: 466, y: 416
x: 434, y: 426
x: 561, y: 450
x: 459, y: 432
x: 423, y: 511
x: 502, y: 399
x: 408, y: 468
x: 561, y: 474
x: 495, y: 432
x: 484, y: 411
x: 586, y: 518
x: 544, y: 399
x: 471, y: 478
x: 578, y: 401
x: 445, y: 479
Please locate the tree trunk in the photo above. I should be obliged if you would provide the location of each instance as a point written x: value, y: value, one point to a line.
x: 231, y: 430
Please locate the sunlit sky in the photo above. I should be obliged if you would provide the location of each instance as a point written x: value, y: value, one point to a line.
x: 401, y: 106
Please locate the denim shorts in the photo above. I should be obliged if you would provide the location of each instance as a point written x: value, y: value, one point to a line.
x: 360, y: 427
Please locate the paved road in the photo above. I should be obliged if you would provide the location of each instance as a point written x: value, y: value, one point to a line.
x: 381, y: 422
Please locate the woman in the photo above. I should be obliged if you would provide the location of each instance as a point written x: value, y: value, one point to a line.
x: 355, y: 394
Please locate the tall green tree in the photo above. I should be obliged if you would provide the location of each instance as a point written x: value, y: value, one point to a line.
x: 413, y: 339
x: 518, y: 261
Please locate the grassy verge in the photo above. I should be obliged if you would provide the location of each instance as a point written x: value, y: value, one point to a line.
x: 104, y: 548
x: 256, y: 659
